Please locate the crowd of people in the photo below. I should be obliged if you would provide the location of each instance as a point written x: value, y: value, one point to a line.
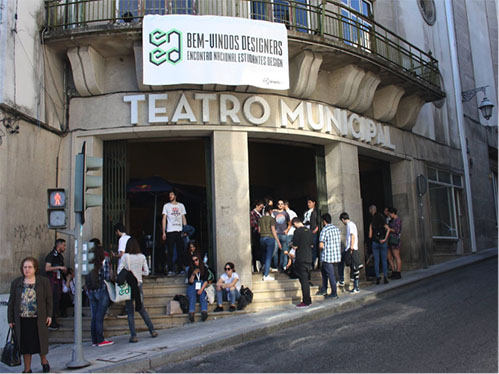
x: 282, y: 241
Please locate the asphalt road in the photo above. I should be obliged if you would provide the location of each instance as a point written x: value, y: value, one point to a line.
x: 444, y: 324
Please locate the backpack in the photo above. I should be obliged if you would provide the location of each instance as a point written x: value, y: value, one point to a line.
x: 245, y: 299
x: 247, y: 293
x: 92, y: 280
x: 184, y: 303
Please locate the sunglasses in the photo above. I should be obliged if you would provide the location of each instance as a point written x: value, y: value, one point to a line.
x: 228, y: 269
x: 195, y: 259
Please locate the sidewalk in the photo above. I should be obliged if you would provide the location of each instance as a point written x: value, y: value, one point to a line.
x: 192, y: 339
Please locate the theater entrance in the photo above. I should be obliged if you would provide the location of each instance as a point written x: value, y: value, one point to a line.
x: 181, y: 163
x: 287, y: 171
x: 375, y: 189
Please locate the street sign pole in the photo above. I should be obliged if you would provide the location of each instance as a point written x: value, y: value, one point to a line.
x: 78, y: 361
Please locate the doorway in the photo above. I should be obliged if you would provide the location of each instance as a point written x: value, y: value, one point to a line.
x: 375, y: 189
x: 181, y: 163
x: 286, y: 171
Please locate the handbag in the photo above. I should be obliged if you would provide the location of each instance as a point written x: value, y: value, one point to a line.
x: 10, y: 353
x: 394, y: 240
x: 123, y: 274
x: 118, y: 293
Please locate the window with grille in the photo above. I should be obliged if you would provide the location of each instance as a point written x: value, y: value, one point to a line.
x: 445, y: 191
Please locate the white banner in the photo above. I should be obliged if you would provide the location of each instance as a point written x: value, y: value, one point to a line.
x: 185, y: 49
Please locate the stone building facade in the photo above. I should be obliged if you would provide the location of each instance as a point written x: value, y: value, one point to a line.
x: 371, y: 106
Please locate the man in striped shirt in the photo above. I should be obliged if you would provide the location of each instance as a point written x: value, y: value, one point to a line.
x: 330, y: 248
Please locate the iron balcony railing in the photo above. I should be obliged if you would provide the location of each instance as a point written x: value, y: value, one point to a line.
x: 332, y: 21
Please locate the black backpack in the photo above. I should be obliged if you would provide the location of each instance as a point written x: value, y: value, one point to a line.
x: 92, y: 280
x: 183, y: 301
x: 245, y: 299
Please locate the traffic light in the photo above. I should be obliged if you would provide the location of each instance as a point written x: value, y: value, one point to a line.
x: 56, y: 208
x: 87, y: 257
x: 85, y: 181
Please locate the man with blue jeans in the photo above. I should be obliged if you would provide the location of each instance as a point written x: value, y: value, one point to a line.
x: 330, y: 247
x: 268, y: 237
x: 282, y: 226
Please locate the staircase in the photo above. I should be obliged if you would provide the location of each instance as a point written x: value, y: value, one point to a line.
x: 159, y: 290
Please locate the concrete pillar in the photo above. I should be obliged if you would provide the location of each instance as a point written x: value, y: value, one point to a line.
x: 405, y: 199
x: 231, y: 202
x: 343, y: 187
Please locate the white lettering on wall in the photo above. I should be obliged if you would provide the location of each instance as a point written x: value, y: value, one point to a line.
x: 265, y: 110
x: 232, y: 112
x: 134, y: 107
x: 205, y: 100
x: 154, y: 110
x: 306, y: 115
x: 298, y: 113
x: 315, y: 126
x: 183, y: 111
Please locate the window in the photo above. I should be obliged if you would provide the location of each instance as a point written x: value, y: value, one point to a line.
x: 129, y: 10
x: 445, y: 191
x: 427, y: 9
x: 292, y: 13
x: 356, y: 30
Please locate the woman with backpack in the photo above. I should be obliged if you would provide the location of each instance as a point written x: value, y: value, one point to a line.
x: 98, y: 296
x: 379, y: 233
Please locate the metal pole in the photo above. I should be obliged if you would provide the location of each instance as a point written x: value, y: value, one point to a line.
x: 78, y: 360
x: 460, y: 117
x: 154, y: 233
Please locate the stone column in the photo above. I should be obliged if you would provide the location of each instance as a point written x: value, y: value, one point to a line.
x: 231, y: 202
x: 405, y: 199
x: 343, y: 188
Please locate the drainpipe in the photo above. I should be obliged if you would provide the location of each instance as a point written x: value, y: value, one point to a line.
x: 460, y: 117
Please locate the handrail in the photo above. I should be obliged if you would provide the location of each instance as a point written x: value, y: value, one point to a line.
x: 324, y: 18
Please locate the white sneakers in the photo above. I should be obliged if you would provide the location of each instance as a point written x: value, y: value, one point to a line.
x: 268, y: 278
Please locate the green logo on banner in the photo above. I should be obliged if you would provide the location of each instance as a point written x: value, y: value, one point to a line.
x: 170, y: 52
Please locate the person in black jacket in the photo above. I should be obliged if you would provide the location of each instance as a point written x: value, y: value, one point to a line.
x: 311, y: 220
x: 198, y: 280
x: 302, y: 242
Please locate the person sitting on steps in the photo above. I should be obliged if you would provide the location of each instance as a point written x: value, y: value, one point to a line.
x: 228, y: 287
x: 198, y: 280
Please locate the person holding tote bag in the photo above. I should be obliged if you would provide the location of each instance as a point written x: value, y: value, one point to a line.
x: 29, y: 310
x: 136, y: 263
x: 98, y: 296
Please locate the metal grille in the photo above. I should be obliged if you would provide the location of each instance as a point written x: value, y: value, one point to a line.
x: 114, y: 190
x: 334, y: 22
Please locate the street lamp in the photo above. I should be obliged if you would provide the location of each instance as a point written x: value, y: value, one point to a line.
x: 486, y: 105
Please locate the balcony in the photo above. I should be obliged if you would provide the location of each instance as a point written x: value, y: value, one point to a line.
x: 320, y: 26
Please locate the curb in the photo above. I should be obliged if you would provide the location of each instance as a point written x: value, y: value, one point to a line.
x: 222, y: 333
x: 324, y: 309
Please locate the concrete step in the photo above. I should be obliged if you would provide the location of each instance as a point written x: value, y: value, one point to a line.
x: 159, y: 290
x: 119, y: 326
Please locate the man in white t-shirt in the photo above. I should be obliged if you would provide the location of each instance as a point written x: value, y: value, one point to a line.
x: 173, y: 222
x: 352, y: 246
x: 123, y: 239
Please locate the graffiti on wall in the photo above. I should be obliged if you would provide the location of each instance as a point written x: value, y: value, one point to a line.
x: 29, y: 240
